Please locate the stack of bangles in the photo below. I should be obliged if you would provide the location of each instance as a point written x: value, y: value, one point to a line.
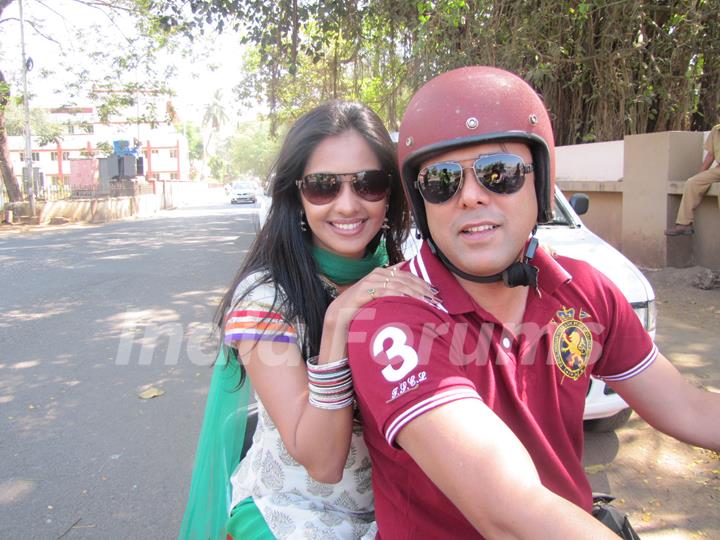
x: 330, y: 385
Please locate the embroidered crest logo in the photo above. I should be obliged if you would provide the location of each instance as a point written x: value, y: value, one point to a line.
x: 572, y: 343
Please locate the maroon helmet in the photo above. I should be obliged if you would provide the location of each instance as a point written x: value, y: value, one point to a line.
x: 472, y: 105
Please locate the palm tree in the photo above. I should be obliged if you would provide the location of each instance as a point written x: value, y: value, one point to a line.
x: 213, y: 119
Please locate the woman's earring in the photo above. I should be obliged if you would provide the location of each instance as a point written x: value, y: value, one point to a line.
x: 303, y: 223
x: 386, y: 221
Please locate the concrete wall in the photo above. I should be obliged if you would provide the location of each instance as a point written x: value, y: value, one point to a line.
x: 632, y: 212
x: 591, y: 161
x: 703, y: 248
x: 83, y: 172
x: 99, y: 210
x: 604, y: 216
x: 178, y: 194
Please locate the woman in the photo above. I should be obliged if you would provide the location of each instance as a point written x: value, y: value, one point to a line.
x: 338, y: 217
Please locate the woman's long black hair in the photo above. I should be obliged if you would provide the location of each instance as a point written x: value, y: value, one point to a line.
x: 282, y: 250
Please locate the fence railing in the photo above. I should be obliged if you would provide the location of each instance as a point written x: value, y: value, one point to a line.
x: 57, y: 192
x: 96, y: 191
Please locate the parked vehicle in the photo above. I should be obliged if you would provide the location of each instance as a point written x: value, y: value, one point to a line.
x: 243, y: 191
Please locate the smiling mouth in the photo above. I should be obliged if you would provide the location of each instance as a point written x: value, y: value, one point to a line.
x: 347, y: 226
x: 479, y: 228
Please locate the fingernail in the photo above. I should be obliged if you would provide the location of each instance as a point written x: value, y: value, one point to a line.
x: 432, y: 302
x: 433, y: 289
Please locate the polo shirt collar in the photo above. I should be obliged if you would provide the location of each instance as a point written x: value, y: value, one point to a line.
x: 456, y: 300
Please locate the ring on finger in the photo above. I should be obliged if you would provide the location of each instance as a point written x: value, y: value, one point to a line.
x: 387, y: 280
x: 371, y: 292
x: 392, y: 272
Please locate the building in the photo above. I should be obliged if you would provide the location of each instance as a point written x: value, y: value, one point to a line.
x: 72, y: 161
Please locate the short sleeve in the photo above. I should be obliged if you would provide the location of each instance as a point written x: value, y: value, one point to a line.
x: 256, y: 314
x: 627, y: 348
x: 402, y: 364
x: 712, y: 143
x: 709, y: 141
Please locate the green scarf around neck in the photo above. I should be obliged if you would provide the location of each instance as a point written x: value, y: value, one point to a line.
x: 343, y: 270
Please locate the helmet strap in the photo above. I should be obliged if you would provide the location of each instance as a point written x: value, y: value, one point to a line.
x: 518, y: 274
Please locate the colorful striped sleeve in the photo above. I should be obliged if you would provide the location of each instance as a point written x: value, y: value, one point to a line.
x: 253, y: 318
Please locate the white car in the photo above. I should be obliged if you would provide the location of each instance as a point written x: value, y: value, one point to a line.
x: 243, y: 192
x: 566, y: 235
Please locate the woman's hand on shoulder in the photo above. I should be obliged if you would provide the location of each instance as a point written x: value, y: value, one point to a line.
x: 381, y: 282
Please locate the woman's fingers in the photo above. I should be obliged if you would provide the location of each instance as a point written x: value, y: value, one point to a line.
x: 393, y: 282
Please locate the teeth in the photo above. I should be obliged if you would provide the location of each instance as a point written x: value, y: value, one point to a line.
x: 347, y: 226
x: 480, y: 228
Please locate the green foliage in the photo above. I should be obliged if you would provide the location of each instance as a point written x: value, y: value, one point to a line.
x: 194, y: 138
x: 251, y: 150
x: 220, y: 169
x: 606, y: 68
x: 41, y: 126
x: 4, y: 94
x: 102, y: 149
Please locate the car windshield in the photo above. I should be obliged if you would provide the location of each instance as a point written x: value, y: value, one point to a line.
x: 559, y: 215
x: 559, y: 218
x: 243, y: 185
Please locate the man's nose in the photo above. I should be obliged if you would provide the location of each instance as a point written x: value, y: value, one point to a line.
x: 473, y: 192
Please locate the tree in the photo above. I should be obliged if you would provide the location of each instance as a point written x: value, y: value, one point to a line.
x: 251, y: 150
x: 42, y: 127
x: 605, y: 67
x: 194, y: 138
x: 213, y: 119
x: 6, y: 168
x: 109, y: 64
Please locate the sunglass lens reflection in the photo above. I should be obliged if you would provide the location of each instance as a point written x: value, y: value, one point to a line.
x: 503, y: 175
x: 440, y: 181
x: 372, y: 185
x: 322, y: 188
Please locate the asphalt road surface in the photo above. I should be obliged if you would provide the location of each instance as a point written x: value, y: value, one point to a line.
x: 92, y: 316
x: 95, y: 315
x: 671, y: 490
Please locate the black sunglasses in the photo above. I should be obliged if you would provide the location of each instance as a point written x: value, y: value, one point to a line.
x: 323, y: 188
x: 500, y: 173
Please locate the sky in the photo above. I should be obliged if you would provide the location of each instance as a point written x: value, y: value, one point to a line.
x: 194, y: 85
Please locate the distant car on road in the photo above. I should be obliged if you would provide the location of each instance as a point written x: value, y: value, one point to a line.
x: 243, y: 191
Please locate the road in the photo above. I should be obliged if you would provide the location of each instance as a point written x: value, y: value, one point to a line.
x: 670, y: 490
x: 82, y: 455
x: 94, y: 315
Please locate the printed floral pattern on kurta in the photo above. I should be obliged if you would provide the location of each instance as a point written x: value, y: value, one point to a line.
x: 294, y: 505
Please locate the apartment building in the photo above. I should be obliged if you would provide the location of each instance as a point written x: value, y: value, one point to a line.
x: 72, y: 160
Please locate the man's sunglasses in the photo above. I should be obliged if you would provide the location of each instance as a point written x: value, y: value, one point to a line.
x: 323, y: 188
x: 499, y: 173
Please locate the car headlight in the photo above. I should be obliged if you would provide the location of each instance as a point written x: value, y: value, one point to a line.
x: 647, y: 313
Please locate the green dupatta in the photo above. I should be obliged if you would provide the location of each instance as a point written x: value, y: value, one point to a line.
x: 218, y: 451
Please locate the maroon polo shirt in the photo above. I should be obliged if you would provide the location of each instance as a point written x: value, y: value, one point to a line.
x: 408, y: 357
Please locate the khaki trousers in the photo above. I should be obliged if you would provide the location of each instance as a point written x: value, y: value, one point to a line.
x: 693, y: 192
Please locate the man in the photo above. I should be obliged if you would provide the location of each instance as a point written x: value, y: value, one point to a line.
x: 696, y: 187
x: 472, y: 409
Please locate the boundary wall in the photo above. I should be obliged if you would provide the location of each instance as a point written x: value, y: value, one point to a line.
x: 635, y: 186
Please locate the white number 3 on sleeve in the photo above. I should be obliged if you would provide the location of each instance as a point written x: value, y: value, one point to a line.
x: 398, y: 348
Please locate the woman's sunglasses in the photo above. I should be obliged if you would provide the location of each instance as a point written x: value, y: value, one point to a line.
x: 323, y: 188
x: 499, y: 173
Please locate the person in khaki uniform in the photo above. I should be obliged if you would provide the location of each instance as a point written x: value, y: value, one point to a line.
x: 696, y: 186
